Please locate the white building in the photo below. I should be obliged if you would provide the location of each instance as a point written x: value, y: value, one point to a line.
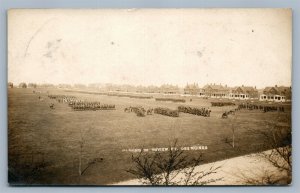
x: 272, y: 98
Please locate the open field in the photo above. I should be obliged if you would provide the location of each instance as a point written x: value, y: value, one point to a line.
x: 40, y: 135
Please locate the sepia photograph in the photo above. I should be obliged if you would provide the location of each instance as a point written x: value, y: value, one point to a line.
x: 149, y: 97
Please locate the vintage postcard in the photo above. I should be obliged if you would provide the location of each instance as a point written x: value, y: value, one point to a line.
x: 154, y: 97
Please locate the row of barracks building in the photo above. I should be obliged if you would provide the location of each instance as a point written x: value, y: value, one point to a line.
x: 272, y: 94
x: 275, y: 93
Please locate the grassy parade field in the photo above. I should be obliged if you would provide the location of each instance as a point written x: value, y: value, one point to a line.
x: 45, y: 144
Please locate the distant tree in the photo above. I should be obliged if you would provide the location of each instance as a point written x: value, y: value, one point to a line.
x: 64, y: 86
x: 10, y: 85
x: 32, y: 85
x: 165, y: 168
x: 45, y: 85
x: 80, y: 86
x: 22, y: 85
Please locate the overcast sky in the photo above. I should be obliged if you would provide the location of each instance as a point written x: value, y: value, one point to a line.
x: 144, y: 47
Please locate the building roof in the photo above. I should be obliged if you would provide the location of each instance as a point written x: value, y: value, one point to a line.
x: 248, y: 88
x: 278, y: 89
x: 191, y: 86
x: 215, y: 87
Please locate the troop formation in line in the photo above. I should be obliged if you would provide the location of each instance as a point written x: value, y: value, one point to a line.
x: 171, y: 100
x: 195, y: 111
x: 91, y: 106
x: 80, y: 105
x: 130, y: 96
x: 64, y: 98
x: 264, y: 108
x: 166, y: 111
x: 249, y: 106
x: 139, y: 111
x: 221, y: 104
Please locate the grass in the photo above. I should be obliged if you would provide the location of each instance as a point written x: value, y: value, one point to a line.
x: 39, y: 134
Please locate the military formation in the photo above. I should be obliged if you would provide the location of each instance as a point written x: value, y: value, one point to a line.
x: 136, y: 96
x: 171, y: 100
x: 63, y: 98
x: 195, y: 111
x: 139, y: 111
x: 90, y: 106
x: 264, y: 108
x: 83, y: 105
x: 130, y: 96
x: 221, y: 104
x: 273, y: 108
x: 166, y: 112
x: 250, y: 106
x: 80, y: 105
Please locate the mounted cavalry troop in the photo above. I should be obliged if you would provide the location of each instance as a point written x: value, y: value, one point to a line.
x: 231, y: 112
x: 195, y: 111
x: 166, y: 111
x: 139, y: 111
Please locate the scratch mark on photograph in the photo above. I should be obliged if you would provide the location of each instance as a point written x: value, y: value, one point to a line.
x: 35, y: 34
